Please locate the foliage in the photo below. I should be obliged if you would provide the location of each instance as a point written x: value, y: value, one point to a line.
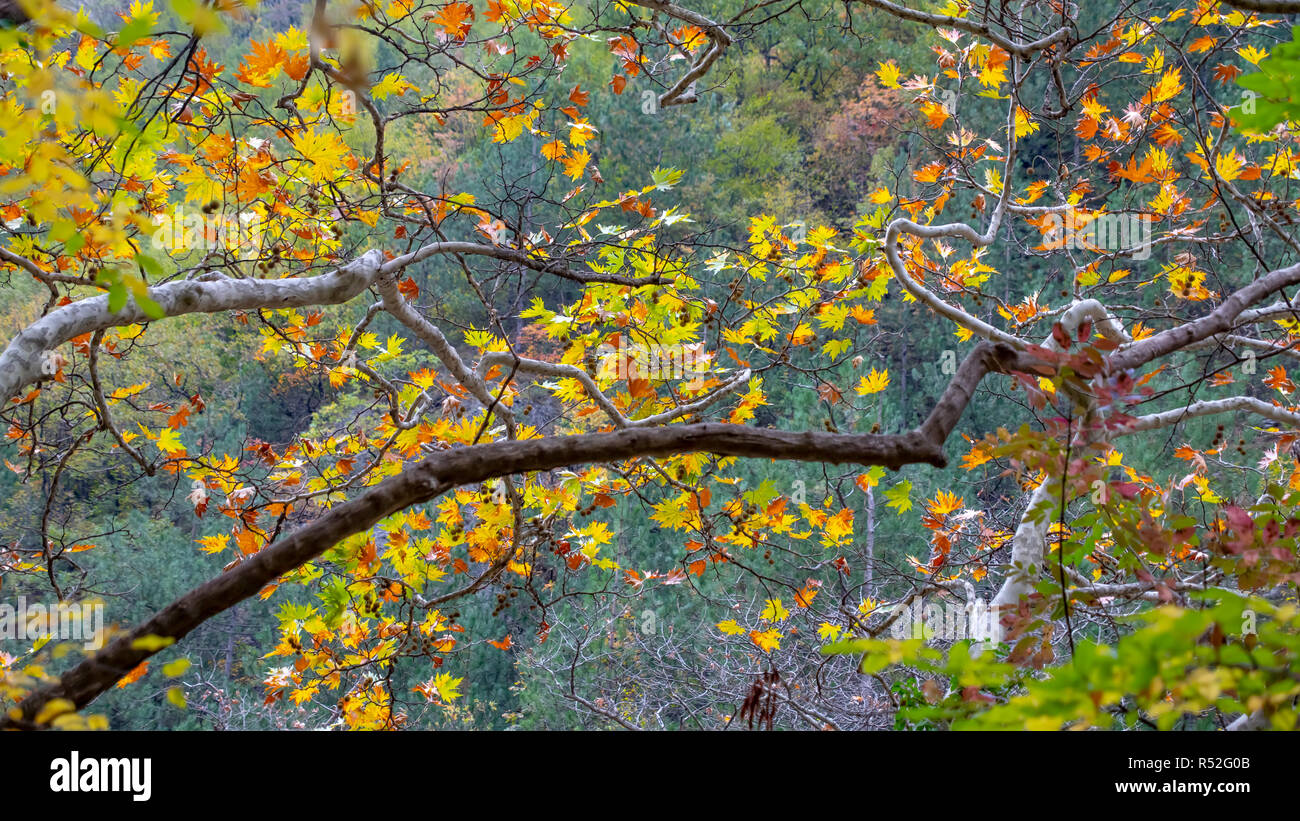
x: 262, y: 268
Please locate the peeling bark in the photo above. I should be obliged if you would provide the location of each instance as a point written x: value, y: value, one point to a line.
x: 20, y: 364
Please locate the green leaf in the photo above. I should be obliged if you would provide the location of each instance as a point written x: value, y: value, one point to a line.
x: 134, y: 31
x: 149, y: 265
x: 900, y: 496
x: 151, y: 309
x: 116, y: 297
x: 762, y: 494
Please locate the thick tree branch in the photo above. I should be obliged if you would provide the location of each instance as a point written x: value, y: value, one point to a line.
x: 1232, y: 404
x: 1266, y: 6
x: 1220, y: 320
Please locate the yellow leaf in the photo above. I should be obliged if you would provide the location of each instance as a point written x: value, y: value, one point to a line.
x: 324, y: 153
x: 730, y: 627
x: 874, y: 382
x: 1024, y: 125
x: 448, y: 688
x: 53, y: 709
x: 775, y: 611
x: 576, y: 163
x: 767, y: 641
x: 168, y: 442
x: 554, y: 150
x: 888, y: 74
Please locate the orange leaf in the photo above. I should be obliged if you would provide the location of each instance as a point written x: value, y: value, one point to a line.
x: 135, y: 674
x: 454, y: 18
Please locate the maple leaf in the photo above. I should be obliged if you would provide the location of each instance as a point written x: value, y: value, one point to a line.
x: 900, y: 496
x: 169, y: 442
x: 944, y: 503
x: 774, y: 611
x: 1024, y: 125
x: 455, y: 19
x: 1226, y: 73
x: 323, y: 152
x: 975, y: 457
x: 448, y: 687
x: 730, y: 627
x: 889, y: 74
x: 874, y: 382
x: 1278, y: 379
x: 838, y: 528
x: 1169, y: 86
x: 1228, y: 165
x: 1166, y: 135
x: 1252, y: 55
x: 930, y: 172
x: 392, y: 84
x: 935, y: 114
x: 1134, y: 171
x: 180, y: 418
x: 828, y: 631
x: 829, y: 393
x: 672, y: 513
x: 767, y: 640
x: 554, y: 150
x: 575, y: 163
x: 135, y: 674
x: 870, y: 479
x: 806, y: 594
x: 261, y: 66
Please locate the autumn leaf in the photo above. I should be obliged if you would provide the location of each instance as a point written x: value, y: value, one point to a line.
x: 575, y: 163
x: 874, y: 382
x: 455, y: 19
x: 774, y: 611
x: 935, y: 114
x: 169, y: 442
x: 888, y: 74
x: 448, y: 687
x: 261, y: 66
x: 136, y: 673
x: 767, y: 640
x: 323, y: 151
x: 554, y: 150
x: 730, y: 627
x: 1226, y: 73
x: 1278, y: 380
x: 944, y: 503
